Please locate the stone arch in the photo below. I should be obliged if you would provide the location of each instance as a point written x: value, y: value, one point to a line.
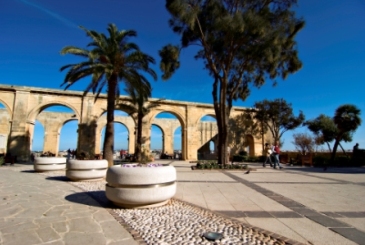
x: 163, y: 133
x: 167, y: 140
x: 32, y: 115
x: 7, y: 107
x: 179, y: 117
x: 204, y: 115
x: 63, y: 124
x: 101, y: 123
x: 50, y: 136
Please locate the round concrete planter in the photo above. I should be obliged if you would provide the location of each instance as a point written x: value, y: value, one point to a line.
x: 86, y: 170
x: 42, y: 164
x: 140, y: 187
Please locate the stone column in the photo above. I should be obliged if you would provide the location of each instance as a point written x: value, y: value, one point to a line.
x: 19, y: 137
x: 191, y: 134
x: 87, y: 128
x: 52, y: 137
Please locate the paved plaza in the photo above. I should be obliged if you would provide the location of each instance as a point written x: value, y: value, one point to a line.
x: 297, y: 205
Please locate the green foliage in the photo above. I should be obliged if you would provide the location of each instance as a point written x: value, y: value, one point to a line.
x: 209, y: 164
x: 342, y: 161
x: 1, y: 161
x: 169, y: 60
x: 277, y: 116
x: 339, y: 128
x: 242, y: 43
x: 109, y: 61
x: 239, y: 158
x: 253, y: 159
x: 243, y: 153
x: 324, y: 129
x: 320, y: 161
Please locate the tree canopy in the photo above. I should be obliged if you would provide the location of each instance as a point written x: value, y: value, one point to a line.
x: 339, y: 128
x: 240, y: 42
x: 277, y: 116
x: 109, y: 61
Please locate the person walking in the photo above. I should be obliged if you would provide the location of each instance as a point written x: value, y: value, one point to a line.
x: 268, y: 152
x: 276, y: 152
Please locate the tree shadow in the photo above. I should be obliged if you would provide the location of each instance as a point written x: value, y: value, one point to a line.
x: 329, y: 170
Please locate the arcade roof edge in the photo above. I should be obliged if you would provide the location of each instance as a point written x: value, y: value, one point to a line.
x: 14, y: 88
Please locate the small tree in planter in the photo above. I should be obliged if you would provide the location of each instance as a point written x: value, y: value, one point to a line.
x: 86, y: 168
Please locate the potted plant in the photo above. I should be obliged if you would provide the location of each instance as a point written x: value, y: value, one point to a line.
x: 86, y: 168
x: 140, y: 185
x: 49, y: 162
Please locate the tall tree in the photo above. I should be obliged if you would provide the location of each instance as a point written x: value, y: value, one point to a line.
x: 277, y: 115
x: 241, y: 43
x: 347, y: 119
x: 109, y: 61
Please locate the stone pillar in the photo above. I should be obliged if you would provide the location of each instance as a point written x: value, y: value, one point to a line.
x: 191, y: 134
x: 87, y: 128
x: 19, y: 137
x: 168, y: 142
x: 52, y: 137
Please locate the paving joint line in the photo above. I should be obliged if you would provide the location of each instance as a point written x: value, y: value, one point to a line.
x: 321, y: 218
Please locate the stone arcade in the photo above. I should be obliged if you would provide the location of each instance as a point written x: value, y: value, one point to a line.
x: 24, y: 105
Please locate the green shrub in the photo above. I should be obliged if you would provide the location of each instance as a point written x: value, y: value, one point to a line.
x: 342, y: 161
x: 242, y: 153
x: 252, y: 159
x: 320, y: 161
x: 210, y: 164
x: 239, y: 158
x: 1, y: 160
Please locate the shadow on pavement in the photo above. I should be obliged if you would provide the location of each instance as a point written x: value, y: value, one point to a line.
x: 92, y: 198
x: 330, y: 170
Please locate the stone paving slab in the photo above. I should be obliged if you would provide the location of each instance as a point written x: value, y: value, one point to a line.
x: 36, y: 211
x: 317, y: 202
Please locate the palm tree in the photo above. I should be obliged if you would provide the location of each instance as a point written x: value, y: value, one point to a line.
x: 347, y: 119
x: 137, y: 104
x: 110, y: 60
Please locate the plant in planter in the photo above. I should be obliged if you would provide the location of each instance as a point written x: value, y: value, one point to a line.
x: 140, y: 185
x: 49, y: 162
x: 86, y: 168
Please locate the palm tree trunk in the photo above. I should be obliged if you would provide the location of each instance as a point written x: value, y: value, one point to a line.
x: 138, y: 150
x: 108, y: 147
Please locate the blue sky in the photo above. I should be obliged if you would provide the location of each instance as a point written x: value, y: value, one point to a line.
x: 331, y: 47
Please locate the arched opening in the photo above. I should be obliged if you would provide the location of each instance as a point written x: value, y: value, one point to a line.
x: 38, y: 139
x: 124, y: 136
x: 55, y: 130
x: 171, y: 135
x: 4, y: 128
x: 67, y: 142
x: 156, y: 141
